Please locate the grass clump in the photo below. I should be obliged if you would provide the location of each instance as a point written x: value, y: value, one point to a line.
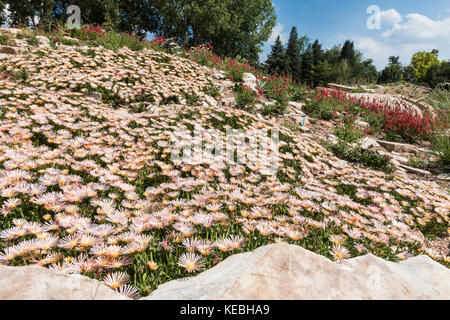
x: 323, y: 110
x: 274, y: 109
x: 211, y: 90
x: 21, y: 75
x: 191, y: 98
x: 245, y: 97
x: 441, y: 147
x: 33, y: 41
x: 4, y: 40
x: 439, y: 99
x: 347, y: 131
x: 367, y: 158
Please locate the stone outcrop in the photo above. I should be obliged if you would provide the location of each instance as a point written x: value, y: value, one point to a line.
x: 398, y: 147
x: 249, y: 81
x: 38, y: 283
x: 283, y: 271
x: 368, y: 143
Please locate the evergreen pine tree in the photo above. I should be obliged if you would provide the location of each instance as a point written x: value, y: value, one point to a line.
x: 348, y: 53
x: 317, y: 52
x: 276, y: 60
x: 293, y: 54
x: 308, y: 66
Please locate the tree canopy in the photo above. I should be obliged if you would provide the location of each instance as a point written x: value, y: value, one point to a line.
x: 233, y: 27
x: 393, y: 72
x: 421, y: 62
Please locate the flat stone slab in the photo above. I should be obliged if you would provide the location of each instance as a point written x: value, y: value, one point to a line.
x: 398, y: 147
x: 8, y: 50
x: 283, y: 271
x: 415, y: 170
x: 38, y: 283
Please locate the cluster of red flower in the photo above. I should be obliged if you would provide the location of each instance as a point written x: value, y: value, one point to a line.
x: 396, y: 120
x: 92, y: 32
x: 157, y: 41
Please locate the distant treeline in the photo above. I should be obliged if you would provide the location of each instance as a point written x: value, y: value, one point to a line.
x: 308, y: 63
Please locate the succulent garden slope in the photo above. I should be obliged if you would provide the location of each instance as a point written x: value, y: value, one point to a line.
x: 88, y: 183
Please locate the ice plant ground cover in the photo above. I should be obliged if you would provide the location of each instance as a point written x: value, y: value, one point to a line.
x: 89, y: 186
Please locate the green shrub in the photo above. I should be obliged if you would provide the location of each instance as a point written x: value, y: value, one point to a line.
x: 419, y: 163
x: 297, y: 93
x: 347, y: 131
x: 367, y: 158
x: 21, y: 75
x: 169, y: 100
x: 211, y: 90
x: 114, y: 41
x: 33, y: 41
x: 69, y: 42
x: 244, y: 96
x: 4, y: 40
x: 374, y: 120
x: 89, y: 53
x: 323, y: 109
x: 441, y: 146
x: 235, y: 74
x: 191, y: 98
x: 274, y: 109
x: 439, y: 98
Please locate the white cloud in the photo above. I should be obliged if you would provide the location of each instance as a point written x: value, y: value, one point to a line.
x: 419, y: 27
x: 380, y: 51
x: 278, y: 31
x: 390, y: 17
x: 404, y: 37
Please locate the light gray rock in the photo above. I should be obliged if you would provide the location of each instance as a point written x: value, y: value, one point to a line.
x: 219, y: 75
x: 249, y: 77
x: 229, y: 101
x: 398, y: 147
x: 297, y: 105
x: 444, y: 176
x: 400, y: 159
x: 38, y: 283
x: 8, y: 50
x: 13, y: 31
x: 415, y: 170
x: 43, y: 41
x: 4, y: 56
x: 96, y: 95
x: 362, y: 124
x: 332, y: 139
x: 368, y: 143
x: 299, y: 120
x: 21, y: 43
x: 304, y: 129
x: 283, y: 271
x: 395, y: 162
x: 269, y: 103
x: 210, y: 101
x: 249, y: 81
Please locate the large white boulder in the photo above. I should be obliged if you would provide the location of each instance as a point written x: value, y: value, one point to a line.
x: 249, y: 81
x: 38, y: 283
x: 283, y: 271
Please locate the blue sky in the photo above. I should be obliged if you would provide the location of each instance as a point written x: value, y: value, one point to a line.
x: 405, y: 26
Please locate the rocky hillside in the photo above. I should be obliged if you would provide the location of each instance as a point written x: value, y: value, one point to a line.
x: 88, y: 183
